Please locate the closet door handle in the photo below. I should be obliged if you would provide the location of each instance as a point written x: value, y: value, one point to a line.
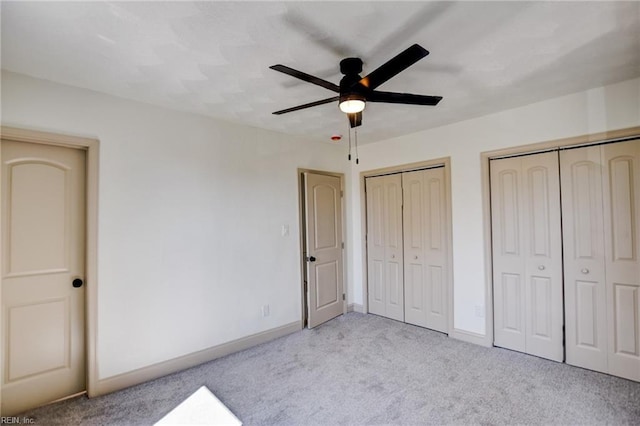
x: 585, y: 271
x: 541, y: 267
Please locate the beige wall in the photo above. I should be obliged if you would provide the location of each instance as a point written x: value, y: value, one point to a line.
x: 190, y: 217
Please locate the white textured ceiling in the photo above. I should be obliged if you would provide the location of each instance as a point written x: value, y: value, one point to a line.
x: 212, y: 58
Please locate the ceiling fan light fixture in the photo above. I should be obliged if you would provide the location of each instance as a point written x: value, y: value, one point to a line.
x: 352, y: 106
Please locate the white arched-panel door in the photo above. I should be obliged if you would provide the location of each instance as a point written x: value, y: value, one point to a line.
x: 601, y: 226
x: 385, y: 246
x: 621, y: 194
x: 425, y: 248
x: 43, y: 267
x: 527, y: 254
x: 323, y: 219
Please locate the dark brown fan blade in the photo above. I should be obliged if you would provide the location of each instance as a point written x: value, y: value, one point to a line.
x: 394, y: 66
x: 309, y: 105
x: 306, y: 77
x: 402, y: 98
x: 355, y: 119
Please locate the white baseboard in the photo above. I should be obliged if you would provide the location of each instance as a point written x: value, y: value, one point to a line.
x: 141, y: 375
x: 470, y: 337
x: 355, y: 307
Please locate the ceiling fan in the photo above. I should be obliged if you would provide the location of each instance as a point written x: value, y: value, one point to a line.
x: 355, y: 91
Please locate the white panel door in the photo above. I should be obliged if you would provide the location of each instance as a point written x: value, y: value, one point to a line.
x: 323, y: 208
x: 542, y: 251
x: 43, y: 246
x: 376, y: 245
x: 509, y: 277
x: 393, y: 251
x: 584, y: 265
x: 384, y: 246
x: 621, y: 194
x: 527, y: 254
x: 425, y: 248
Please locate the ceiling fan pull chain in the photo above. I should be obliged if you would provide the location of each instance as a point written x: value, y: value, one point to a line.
x: 349, y: 130
x: 356, y: 135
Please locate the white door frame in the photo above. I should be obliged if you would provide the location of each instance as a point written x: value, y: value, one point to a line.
x: 446, y: 163
x: 91, y: 146
x: 485, y: 157
x: 302, y: 227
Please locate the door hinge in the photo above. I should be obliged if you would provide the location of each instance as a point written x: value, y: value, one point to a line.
x: 305, y: 287
x: 342, y: 245
x: 341, y: 194
x: 343, y: 296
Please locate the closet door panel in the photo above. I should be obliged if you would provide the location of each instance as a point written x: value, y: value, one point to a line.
x: 436, y: 249
x: 508, y: 260
x: 584, y: 273
x: 425, y: 248
x: 416, y: 291
x: 542, y: 251
x: 384, y: 246
x: 394, y: 250
x: 527, y: 254
x: 376, y: 270
x: 621, y: 193
x: 437, y: 295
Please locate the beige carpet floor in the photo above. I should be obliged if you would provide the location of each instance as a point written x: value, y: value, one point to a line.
x: 367, y: 370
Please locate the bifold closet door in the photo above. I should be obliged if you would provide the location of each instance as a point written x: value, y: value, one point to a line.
x: 621, y: 194
x: 384, y: 246
x: 601, y: 225
x: 527, y: 254
x: 584, y: 264
x: 425, y: 248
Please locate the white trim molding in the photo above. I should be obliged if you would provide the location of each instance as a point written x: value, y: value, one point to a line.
x: 355, y: 307
x: 470, y: 337
x: 145, y: 374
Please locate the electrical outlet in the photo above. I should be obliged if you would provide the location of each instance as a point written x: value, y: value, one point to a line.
x: 265, y: 311
x: 480, y: 311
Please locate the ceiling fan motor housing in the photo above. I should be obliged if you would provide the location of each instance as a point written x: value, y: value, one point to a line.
x: 351, y: 66
x: 349, y: 90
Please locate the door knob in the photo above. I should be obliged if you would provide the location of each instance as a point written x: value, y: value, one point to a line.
x: 585, y: 271
x: 415, y: 257
x: 77, y: 283
x: 541, y: 267
x: 393, y: 256
x: 311, y: 259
